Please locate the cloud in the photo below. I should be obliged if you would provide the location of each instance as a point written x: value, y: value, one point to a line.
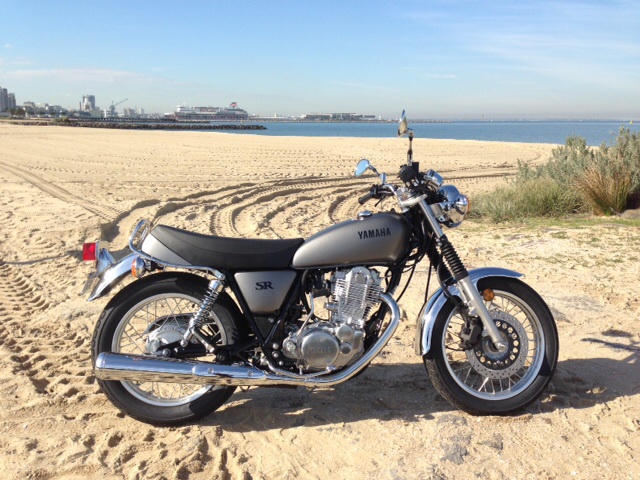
x: 364, y: 86
x: 82, y: 75
x: 441, y: 76
x: 22, y: 61
x: 7, y: 45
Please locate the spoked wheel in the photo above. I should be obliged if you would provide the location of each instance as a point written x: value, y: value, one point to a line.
x: 141, y: 319
x: 483, y: 380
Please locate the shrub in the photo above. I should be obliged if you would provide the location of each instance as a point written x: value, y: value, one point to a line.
x: 625, y: 153
x: 606, y: 192
x: 566, y: 162
x: 577, y: 178
x: 539, y: 197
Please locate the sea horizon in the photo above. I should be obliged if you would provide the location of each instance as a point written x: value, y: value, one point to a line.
x: 595, y: 132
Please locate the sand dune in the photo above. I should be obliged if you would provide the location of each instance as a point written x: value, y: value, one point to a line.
x: 63, y: 186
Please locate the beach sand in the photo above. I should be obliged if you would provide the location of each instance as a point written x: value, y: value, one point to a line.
x: 63, y: 186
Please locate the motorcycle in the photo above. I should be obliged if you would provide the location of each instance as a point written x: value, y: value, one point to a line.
x: 172, y: 346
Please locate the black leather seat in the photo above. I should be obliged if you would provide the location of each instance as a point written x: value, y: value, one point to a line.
x: 225, y: 253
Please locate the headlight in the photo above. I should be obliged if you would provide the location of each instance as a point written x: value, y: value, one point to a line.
x: 452, y: 207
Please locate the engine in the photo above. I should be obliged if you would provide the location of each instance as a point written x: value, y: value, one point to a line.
x: 338, y: 341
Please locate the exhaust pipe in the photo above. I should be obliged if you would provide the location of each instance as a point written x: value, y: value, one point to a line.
x: 137, y: 368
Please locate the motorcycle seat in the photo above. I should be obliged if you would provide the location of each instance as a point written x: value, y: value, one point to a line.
x: 222, y: 253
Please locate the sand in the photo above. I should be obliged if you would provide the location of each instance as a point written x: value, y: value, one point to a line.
x: 63, y: 186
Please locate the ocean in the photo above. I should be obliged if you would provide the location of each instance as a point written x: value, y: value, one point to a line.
x: 594, y: 132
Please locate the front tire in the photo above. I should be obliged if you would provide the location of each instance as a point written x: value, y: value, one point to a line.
x: 481, y: 380
x: 147, y: 313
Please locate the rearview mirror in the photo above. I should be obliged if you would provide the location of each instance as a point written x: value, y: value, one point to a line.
x: 363, y: 166
x: 403, y: 125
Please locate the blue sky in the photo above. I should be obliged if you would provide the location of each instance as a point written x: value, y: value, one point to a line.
x: 436, y: 59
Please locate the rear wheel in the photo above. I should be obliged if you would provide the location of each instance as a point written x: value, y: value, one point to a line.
x: 152, y: 312
x: 482, y: 380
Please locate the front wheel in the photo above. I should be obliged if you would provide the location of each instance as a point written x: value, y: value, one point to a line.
x: 481, y: 380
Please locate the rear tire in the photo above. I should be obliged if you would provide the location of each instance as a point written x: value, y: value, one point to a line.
x: 165, y: 301
x: 481, y: 380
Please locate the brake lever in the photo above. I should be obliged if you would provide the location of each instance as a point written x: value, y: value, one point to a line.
x: 386, y: 190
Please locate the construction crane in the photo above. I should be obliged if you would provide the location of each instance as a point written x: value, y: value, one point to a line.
x: 112, y: 108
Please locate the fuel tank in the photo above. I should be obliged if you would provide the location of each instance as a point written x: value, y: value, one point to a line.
x: 378, y: 239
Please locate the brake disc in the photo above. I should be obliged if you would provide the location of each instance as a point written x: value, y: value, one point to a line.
x: 495, y: 365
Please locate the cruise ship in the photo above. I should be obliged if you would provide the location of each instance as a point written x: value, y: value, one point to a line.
x: 186, y: 113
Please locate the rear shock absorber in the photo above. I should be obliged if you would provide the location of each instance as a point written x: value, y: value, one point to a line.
x: 213, y: 290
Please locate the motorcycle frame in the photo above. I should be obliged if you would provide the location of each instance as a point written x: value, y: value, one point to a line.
x: 110, y: 273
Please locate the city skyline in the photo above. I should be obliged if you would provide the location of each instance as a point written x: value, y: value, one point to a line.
x: 7, y: 100
x: 437, y: 60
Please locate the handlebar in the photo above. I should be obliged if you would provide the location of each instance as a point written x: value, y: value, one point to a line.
x: 378, y: 192
x: 365, y: 198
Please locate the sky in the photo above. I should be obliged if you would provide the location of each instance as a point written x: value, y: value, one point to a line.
x: 436, y: 59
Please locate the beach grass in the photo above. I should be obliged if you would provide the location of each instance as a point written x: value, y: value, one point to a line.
x: 577, y: 179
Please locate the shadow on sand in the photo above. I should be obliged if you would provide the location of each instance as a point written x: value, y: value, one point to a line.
x: 403, y: 391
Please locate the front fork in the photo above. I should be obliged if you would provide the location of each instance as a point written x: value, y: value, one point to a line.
x: 477, y: 307
x: 470, y: 295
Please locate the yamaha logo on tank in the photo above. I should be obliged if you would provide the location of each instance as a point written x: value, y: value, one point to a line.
x: 374, y: 232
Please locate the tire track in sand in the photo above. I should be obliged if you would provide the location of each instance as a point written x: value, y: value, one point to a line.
x: 41, y: 354
x: 104, y: 211
x: 225, y: 221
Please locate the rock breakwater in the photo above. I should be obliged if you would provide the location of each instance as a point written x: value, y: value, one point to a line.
x: 141, y: 125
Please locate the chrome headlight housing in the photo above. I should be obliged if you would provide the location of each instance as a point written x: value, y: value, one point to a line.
x: 452, y: 206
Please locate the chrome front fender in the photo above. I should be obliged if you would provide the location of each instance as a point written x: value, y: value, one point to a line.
x: 430, y: 310
x: 111, y: 275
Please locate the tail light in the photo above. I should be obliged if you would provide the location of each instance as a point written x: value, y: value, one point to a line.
x: 90, y: 252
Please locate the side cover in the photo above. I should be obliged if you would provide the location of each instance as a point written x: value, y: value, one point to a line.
x: 264, y: 292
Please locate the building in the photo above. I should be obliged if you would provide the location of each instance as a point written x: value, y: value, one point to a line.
x: 54, y: 110
x: 88, y: 107
x: 88, y: 103
x: 133, y: 112
x: 338, y: 117
x: 7, y: 100
x: 4, y: 100
x: 29, y: 107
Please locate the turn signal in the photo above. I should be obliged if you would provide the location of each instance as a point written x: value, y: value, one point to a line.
x: 138, y: 268
x: 90, y: 252
x: 488, y: 295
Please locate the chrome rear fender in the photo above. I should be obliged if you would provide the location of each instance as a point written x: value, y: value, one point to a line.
x: 432, y: 308
x: 109, y: 272
x: 109, y: 276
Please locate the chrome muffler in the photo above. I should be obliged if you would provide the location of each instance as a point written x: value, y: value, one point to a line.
x: 137, y: 368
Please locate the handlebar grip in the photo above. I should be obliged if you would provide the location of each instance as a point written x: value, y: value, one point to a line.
x: 365, y: 198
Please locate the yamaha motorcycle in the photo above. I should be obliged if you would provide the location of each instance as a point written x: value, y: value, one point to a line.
x: 172, y: 346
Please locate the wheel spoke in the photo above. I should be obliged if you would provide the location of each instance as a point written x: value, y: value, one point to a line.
x: 163, y: 318
x: 484, y: 383
x: 468, y: 373
x: 490, y: 374
x: 134, y: 343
